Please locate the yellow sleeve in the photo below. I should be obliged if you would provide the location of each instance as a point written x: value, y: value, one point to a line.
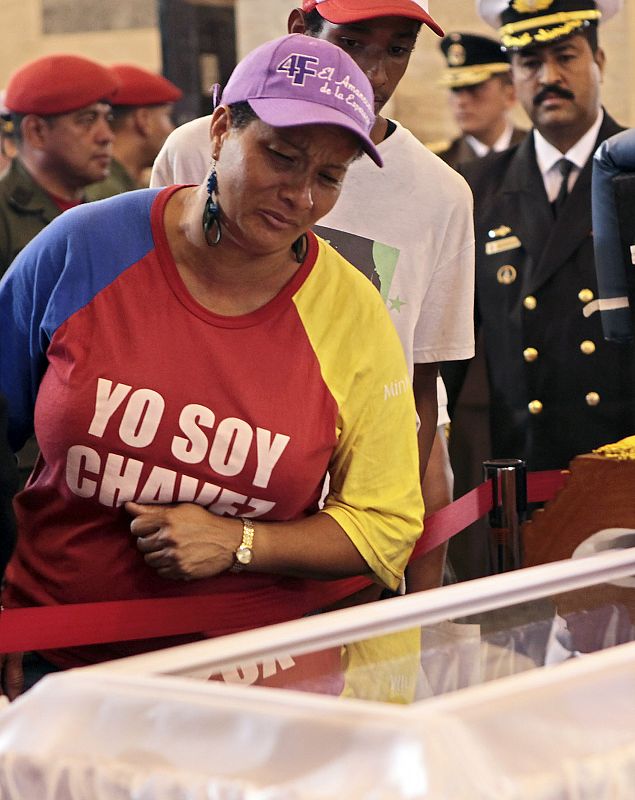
x: 374, y: 495
x: 385, y: 668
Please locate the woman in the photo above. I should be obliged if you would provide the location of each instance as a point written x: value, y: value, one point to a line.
x: 8, y: 487
x: 198, y: 360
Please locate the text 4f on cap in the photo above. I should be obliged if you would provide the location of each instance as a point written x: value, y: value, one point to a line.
x: 300, y: 80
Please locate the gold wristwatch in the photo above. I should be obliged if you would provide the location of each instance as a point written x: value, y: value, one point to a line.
x: 244, y: 552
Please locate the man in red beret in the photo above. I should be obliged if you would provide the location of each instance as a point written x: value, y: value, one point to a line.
x: 60, y: 112
x: 60, y: 109
x: 142, y: 120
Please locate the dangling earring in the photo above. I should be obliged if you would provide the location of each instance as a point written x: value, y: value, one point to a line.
x: 211, y: 212
x: 300, y: 248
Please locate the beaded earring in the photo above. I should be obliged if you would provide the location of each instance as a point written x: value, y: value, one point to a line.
x: 211, y: 212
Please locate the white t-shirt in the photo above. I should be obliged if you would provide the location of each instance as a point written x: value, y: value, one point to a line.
x: 186, y: 155
x: 425, y: 272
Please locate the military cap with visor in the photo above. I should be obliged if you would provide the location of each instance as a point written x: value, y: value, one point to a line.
x: 59, y: 84
x: 341, y: 12
x: 529, y: 23
x: 471, y: 59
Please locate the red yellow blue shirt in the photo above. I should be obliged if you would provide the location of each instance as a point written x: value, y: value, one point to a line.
x: 137, y: 392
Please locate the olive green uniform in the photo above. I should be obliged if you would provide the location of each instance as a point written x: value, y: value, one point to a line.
x: 25, y: 209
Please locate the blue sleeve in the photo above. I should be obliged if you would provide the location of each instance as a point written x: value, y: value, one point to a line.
x: 59, y: 272
x: 614, y: 157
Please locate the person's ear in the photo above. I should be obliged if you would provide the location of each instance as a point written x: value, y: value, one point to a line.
x: 220, y: 126
x: 600, y: 59
x: 296, y: 23
x: 141, y: 118
x: 34, y: 131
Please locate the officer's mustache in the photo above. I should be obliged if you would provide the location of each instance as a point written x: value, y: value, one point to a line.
x: 553, y: 89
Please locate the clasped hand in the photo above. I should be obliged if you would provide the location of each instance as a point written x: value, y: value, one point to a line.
x: 184, y: 542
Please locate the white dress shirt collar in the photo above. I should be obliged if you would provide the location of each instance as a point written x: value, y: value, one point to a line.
x: 548, y: 157
x: 502, y: 143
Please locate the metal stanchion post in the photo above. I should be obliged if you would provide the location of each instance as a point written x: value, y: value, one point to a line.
x: 509, y: 492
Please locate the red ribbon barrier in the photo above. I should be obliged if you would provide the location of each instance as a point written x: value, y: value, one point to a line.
x: 543, y: 486
x: 50, y: 627
x: 448, y: 521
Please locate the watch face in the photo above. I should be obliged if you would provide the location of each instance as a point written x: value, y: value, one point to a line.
x: 243, y: 555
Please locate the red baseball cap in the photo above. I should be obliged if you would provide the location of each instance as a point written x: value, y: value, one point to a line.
x: 342, y: 11
x: 140, y: 87
x: 58, y: 84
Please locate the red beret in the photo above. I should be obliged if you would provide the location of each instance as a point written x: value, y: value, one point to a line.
x: 57, y: 84
x: 139, y: 87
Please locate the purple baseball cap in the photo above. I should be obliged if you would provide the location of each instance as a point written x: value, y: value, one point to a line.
x: 300, y: 80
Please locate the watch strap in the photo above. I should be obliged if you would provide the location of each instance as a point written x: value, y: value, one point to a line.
x: 244, y: 552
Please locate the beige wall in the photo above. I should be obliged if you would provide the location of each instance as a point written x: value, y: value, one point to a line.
x: 21, y: 39
x: 418, y: 103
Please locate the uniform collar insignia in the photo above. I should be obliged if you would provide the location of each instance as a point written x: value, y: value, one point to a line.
x: 502, y: 230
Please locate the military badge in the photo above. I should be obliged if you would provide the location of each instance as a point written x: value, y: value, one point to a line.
x: 531, y: 6
x: 495, y: 233
x: 507, y: 274
x: 456, y: 55
x: 502, y: 245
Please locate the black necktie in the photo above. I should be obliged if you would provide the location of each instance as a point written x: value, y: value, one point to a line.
x: 565, y: 166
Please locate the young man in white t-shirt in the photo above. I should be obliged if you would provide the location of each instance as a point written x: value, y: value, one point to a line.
x: 408, y: 227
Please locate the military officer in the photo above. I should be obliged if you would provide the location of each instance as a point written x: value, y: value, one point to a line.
x: 141, y: 121
x: 481, y: 95
x: 60, y: 109
x: 557, y: 388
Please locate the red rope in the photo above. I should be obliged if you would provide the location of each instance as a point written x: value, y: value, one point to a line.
x: 543, y: 486
x: 50, y: 627
x: 448, y: 521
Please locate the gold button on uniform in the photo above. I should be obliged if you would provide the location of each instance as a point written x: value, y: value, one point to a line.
x: 530, y: 302
x: 585, y: 295
x: 535, y: 407
x: 530, y: 354
x: 592, y: 399
x: 587, y: 347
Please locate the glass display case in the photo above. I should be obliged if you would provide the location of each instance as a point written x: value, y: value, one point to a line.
x: 519, y: 685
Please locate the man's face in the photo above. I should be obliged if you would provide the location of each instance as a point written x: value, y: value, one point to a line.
x: 480, y: 109
x: 160, y: 124
x: 380, y: 47
x: 78, y: 145
x: 558, y: 85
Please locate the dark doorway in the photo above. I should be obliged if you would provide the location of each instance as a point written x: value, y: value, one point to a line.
x: 198, y: 44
